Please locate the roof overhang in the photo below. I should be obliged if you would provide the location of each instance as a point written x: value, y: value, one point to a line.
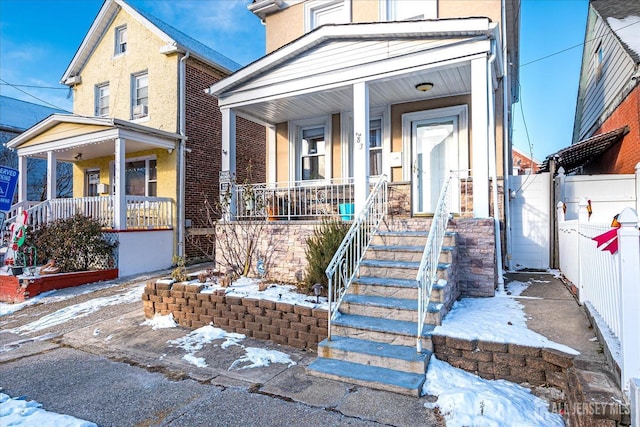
x: 583, y: 152
x: 437, y: 51
x: 70, y: 135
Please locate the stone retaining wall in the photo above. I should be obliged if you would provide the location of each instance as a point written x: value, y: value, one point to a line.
x: 282, y: 323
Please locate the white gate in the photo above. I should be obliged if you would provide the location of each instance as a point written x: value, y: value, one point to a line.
x: 530, y: 221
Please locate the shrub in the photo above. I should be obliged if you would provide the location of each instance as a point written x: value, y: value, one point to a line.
x: 179, y: 273
x: 321, y: 247
x: 75, y: 243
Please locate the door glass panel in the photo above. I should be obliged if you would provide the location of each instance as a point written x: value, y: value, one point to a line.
x: 135, y: 178
x: 313, y: 153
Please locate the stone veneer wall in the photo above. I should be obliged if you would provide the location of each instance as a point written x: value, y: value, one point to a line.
x: 282, y: 323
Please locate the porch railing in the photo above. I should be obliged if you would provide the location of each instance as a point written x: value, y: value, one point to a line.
x: 293, y: 199
x: 346, y: 261
x: 428, y: 270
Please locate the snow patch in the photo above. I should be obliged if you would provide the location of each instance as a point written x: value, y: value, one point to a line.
x: 19, y: 412
x: 160, y: 322
x: 258, y: 357
x: 627, y: 30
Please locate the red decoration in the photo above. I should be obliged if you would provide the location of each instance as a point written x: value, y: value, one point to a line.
x: 609, y: 238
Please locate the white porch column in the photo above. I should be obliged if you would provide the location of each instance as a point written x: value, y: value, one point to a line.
x: 360, y: 145
x: 120, y: 202
x: 52, y: 166
x: 272, y: 154
x: 480, y: 137
x: 229, y: 154
x: 22, y: 179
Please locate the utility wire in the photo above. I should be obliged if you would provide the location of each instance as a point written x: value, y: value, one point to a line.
x: 33, y: 96
x: 34, y: 86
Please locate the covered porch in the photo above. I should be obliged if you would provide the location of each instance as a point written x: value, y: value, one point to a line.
x: 411, y: 101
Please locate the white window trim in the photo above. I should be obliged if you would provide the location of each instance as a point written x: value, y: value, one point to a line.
x: 116, y: 44
x: 295, y: 146
x: 312, y: 7
x: 97, y: 99
x: 146, y: 172
x: 386, y: 13
x: 134, y: 78
x: 346, y: 135
x: 86, y: 180
x: 459, y: 112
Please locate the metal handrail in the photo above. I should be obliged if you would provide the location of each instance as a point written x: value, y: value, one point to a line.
x: 428, y: 270
x: 346, y: 261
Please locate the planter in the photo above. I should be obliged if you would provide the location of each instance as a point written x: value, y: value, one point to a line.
x: 346, y: 211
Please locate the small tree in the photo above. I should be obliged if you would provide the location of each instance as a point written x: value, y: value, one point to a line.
x: 76, y: 243
x: 321, y: 247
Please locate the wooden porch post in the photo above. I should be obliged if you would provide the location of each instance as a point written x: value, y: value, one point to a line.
x: 120, y: 202
x: 229, y: 153
x: 52, y: 164
x: 22, y: 179
x: 480, y: 137
x: 360, y: 145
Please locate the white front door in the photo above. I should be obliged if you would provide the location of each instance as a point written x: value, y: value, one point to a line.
x: 435, y: 153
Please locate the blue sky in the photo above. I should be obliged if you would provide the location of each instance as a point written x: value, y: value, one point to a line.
x: 38, y: 39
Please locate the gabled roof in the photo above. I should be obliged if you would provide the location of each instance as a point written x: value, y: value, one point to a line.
x: 623, y: 17
x: 17, y: 115
x: 583, y: 152
x: 173, y: 37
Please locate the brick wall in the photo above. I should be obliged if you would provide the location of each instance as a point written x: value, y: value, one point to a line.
x: 282, y: 323
x: 623, y: 157
x: 476, y: 262
x: 204, y: 133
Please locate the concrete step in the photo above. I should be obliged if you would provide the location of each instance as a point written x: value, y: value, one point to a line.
x: 368, y: 376
x: 398, y: 269
x: 397, y: 332
x: 371, y: 353
x: 385, y: 286
x: 405, y: 253
x: 409, y: 238
x: 390, y: 308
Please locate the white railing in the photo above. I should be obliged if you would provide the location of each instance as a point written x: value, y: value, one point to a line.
x: 142, y: 212
x: 428, y: 270
x: 610, y: 282
x: 293, y: 199
x: 346, y: 261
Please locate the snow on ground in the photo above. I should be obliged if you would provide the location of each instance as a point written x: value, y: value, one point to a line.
x: 12, y: 308
x: 160, y: 322
x: 257, y: 357
x: 80, y: 310
x: 498, y: 319
x: 20, y: 412
x: 248, y: 288
x: 465, y: 399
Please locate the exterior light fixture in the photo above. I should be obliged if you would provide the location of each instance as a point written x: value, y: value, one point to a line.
x: 424, y: 87
x: 317, y: 290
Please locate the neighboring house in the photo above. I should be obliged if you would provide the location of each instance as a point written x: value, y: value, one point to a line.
x: 524, y: 163
x: 16, y: 116
x: 138, y: 86
x: 606, y: 132
x: 360, y: 95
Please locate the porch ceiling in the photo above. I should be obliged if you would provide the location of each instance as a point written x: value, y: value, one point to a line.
x: 447, y: 80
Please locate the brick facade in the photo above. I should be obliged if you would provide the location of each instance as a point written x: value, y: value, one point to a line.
x: 281, y: 323
x: 204, y: 133
x: 622, y: 158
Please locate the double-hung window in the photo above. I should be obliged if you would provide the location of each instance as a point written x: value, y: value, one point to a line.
x: 312, y: 153
x: 121, y: 40
x: 140, y: 95
x: 375, y: 147
x: 102, y: 100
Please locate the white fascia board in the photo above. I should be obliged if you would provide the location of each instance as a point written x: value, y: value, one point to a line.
x: 53, y: 120
x: 138, y: 128
x: 262, y: 8
x: 147, y: 138
x: 69, y: 143
x: 392, y: 30
x: 144, y: 21
x: 108, y: 12
x: 439, y: 57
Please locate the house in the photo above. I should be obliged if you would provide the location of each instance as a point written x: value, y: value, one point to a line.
x: 393, y: 114
x: 606, y: 131
x: 143, y: 138
x: 16, y: 116
x: 524, y: 163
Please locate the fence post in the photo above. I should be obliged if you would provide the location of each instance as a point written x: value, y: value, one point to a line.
x: 583, y: 218
x: 638, y: 187
x: 560, y: 212
x: 629, y: 247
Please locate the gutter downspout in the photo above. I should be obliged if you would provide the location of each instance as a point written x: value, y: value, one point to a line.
x: 492, y: 164
x: 181, y: 151
x: 506, y: 143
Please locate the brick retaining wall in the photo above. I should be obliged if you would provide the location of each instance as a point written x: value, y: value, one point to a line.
x: 282, y: 323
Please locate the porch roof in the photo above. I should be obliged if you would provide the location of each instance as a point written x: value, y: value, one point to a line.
x: 71, y: 136
x: 314, y: 74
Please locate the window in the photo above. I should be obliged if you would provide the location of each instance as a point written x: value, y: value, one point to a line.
x: 320, y: 12
x: 312, y: 153
x: 92, y: 181
x: 102, y: 100
x: 375, y: 147
x: 140, y: 96
x: 598, y: 62
x: 121, y: 40
x: 141, y: 177
x: 408, y: 10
